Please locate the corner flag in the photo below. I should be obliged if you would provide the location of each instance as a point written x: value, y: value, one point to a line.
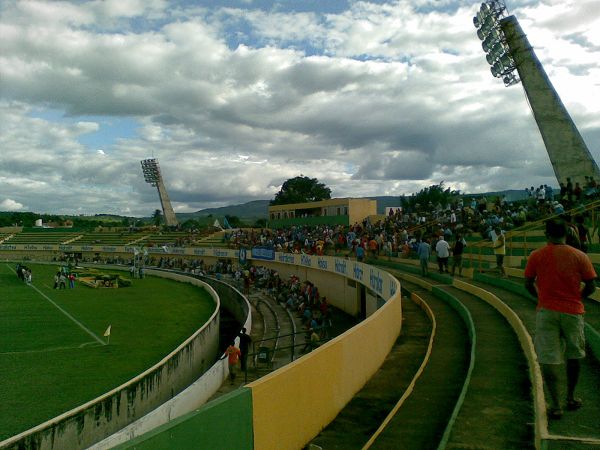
x: 107, y: 334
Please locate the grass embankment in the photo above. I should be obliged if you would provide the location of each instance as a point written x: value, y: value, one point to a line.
x: 51, y: 363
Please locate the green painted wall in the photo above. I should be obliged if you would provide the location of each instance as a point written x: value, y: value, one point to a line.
x: 225, y: 423
x: 318, y: 220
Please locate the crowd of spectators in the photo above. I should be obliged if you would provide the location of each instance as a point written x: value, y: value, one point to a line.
x: 400, y: 232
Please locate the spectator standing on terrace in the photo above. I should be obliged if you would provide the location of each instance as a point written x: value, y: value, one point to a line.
x: 245, y: 341
x: 541, y: 194
x: 360, y: 253
x: 457, y: 252
x: 569, y: 190
x: 233, y: 356
x: 424, y: 252
x: 584, y: 234
x: 500, y: 250
x: 442, y: 250
x: 562, y: 195
x: 577, y: 192
x: 558, y: 271
x: 373, y: 247
x: 572, y: 237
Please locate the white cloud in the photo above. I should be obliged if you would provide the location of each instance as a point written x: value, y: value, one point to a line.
x: 10, y: 205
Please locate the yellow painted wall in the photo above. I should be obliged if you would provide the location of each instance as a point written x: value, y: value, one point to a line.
x: 359, y: 209
x: 292, y: 405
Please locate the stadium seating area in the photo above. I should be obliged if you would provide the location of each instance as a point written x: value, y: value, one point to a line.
x: 122, y: 238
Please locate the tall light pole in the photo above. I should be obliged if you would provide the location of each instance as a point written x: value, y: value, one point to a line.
x: 152, y: 175
x: 508, y: 51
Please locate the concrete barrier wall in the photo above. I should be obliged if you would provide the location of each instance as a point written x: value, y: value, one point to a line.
x: 191, y: 399
x: 232, y: 300
x: 199, y: 392
x: 93, y: 421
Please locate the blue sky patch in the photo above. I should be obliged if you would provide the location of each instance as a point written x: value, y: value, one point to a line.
x: 110, y: 128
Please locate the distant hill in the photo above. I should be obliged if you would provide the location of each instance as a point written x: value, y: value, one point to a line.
x: 256, y: 209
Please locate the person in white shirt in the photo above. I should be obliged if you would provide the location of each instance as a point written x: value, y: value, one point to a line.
x: 442, y: 250
x: 541, y: 195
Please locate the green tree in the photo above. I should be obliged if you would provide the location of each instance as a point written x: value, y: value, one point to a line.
x: 434, y: 194
x: 191, y: 224
x: 301, y: 190
x: 260, y: 223
x: 233, y: 221
x: 157, y: 217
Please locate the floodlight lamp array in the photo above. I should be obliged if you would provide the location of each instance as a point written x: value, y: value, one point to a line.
x: 497, y: 52
x: 151, y: 171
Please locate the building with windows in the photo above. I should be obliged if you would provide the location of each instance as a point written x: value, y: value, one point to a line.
x: 335, y: 211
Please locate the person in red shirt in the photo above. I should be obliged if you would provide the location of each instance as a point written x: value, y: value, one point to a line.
x: 233, y: 356
x: 553, y: 275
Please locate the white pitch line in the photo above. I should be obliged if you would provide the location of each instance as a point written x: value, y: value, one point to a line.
x: 82, y: 326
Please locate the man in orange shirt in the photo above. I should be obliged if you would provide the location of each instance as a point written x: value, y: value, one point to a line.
x: 558, y: 270
x: 373, y: 247
x: 233, y: 356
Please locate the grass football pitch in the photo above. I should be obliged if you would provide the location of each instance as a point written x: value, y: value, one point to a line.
x: 53, y: 355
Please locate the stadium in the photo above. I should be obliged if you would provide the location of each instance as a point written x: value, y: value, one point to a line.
x: 481, y: 301
x: 409, y: 329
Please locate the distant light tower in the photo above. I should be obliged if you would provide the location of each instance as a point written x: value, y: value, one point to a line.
x: 508, y: 50
x: 152, y: 175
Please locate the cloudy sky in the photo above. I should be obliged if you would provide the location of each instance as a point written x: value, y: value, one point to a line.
x: 236, y: 96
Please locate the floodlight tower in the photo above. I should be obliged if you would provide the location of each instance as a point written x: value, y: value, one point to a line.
x: 508, y: 51
x: 153, y: 176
